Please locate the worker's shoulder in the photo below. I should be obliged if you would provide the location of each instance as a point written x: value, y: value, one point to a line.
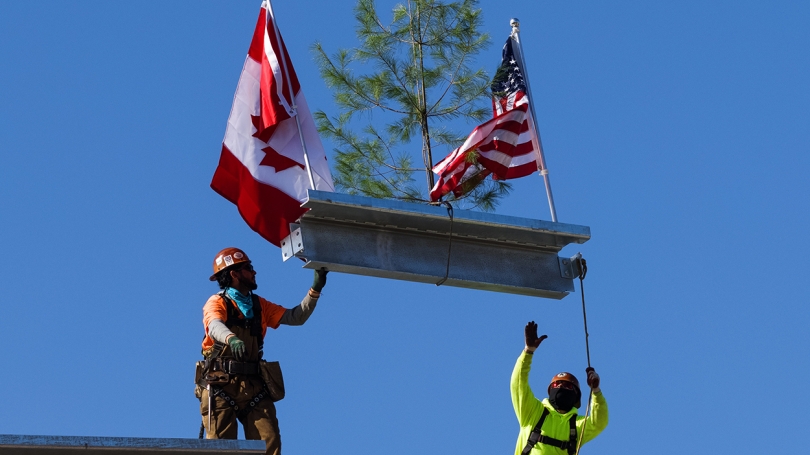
x: 215, y: 299
x: 266, y: 302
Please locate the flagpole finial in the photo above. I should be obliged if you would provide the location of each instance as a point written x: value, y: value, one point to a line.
x: 515, y: 24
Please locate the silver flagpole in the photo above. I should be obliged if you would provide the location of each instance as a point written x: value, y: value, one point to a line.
x: 283, y: 59
x: 515, y: 23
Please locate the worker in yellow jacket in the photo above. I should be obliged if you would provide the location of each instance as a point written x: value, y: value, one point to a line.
x: 551, y: 426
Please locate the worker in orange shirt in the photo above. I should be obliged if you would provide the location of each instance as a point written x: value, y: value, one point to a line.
x: 231, y: 386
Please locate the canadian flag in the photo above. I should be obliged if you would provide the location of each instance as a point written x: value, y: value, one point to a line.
x: 262, y: 167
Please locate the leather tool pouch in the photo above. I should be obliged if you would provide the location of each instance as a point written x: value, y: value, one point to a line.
x: 211, y: 375
x: 198, y: 384
x: 271, y: 375
x: 215, y: 375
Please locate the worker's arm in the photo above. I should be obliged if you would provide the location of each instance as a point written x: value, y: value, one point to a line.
x: 214, y: 312
x: 219, y: 331
x: 598, y: 419
x: 523, y: 400
x: 299, y: 315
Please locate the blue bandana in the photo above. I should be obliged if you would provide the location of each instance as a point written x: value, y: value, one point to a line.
x: 244, y: 302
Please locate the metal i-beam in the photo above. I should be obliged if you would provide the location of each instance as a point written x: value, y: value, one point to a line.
x: 412, y: 242
x: 12, y: 444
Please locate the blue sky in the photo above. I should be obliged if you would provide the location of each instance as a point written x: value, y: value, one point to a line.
x: 676, y: 131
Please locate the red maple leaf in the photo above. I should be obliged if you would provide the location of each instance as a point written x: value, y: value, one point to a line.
x: 278, y: 161
x: 262, y: 133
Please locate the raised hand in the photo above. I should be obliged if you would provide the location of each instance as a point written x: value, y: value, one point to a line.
x: 532, y: 341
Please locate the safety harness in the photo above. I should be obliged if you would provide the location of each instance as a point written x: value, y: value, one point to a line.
x: 230, y: 366
x: 240, y: 413
x: 234, y: 318
x: 536, y: 436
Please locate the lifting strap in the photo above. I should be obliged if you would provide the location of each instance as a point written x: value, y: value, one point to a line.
x: 536, y: 436
x: 449, y: 243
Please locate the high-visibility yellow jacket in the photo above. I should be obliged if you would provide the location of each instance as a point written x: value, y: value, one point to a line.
x: 528, y: 410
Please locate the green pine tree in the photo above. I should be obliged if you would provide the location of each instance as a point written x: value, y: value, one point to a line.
x: 416, y: 78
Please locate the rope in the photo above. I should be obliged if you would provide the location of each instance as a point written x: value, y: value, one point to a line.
x: 583, y: 270
x: 449, y: 243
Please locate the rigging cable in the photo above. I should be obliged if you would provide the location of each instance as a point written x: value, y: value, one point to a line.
x: 583, y: 270
x: 449, y: 243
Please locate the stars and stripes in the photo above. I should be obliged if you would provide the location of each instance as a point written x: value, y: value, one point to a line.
x: 505, y: 147
x: 508, y: 86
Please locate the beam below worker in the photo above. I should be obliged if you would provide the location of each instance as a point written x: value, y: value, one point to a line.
x: 12, y: 444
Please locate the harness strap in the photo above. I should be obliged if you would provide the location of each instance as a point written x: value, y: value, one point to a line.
x: 210, y: 360
x: 256, y: 328
x: 217, y: 350
x: 240, y: 412
x: 237, y: 319
x: 536, y: 436
x: 233, y: 367
x: 573, y: 447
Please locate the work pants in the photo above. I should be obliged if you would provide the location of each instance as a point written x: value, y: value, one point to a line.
x: 259, y: 422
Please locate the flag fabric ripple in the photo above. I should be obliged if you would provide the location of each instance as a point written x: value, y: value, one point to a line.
x: 505, y: 147
x: 261, y: 167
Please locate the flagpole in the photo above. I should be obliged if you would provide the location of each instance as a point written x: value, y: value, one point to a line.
x: 292, y: 94
x: 515, y: 23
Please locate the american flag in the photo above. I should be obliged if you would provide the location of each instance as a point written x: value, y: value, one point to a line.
x: 505, y: 146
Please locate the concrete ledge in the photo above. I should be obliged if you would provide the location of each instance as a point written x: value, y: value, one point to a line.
x: 68, y: 445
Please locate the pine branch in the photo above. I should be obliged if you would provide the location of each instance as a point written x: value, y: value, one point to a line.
x: 415, y: 73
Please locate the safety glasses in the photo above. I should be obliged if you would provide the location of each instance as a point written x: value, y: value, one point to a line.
x: 563, y: 385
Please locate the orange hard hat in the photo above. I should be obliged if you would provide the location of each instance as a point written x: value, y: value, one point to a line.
x: 228, y: 258
x: 564, y: 377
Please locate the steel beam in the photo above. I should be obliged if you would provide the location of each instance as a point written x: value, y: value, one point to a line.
x: 12, y: 444
x: 412, y: 242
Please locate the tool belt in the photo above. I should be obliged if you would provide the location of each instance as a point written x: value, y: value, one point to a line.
x: 216, y: 372
x: 231, y: 366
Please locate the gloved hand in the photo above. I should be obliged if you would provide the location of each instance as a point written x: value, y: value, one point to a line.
x: 593, y: 379
x: 532, y: 342
x: 237, y: 347
x: 320, y: 279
